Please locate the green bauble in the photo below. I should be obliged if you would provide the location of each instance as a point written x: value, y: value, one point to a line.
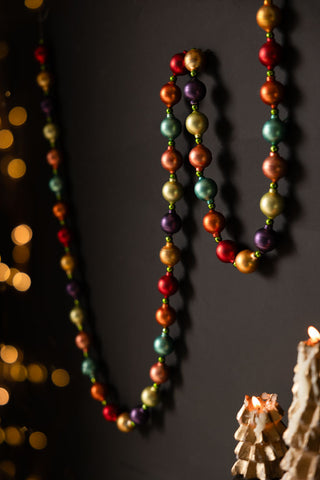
x: 271, y: 204
x: 163, y: 345
x: 170, y: 127
x: 205, y: 189
x: 88, y: 367
x: 274, y: 131
x: 196, y: 123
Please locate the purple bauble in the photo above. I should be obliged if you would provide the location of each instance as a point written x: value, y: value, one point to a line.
x: 46, y: 106
x: 139, y: 416
x: 171, y: 223
x: 73, y: 289
x: 265, y: 239
x: 194, y: 91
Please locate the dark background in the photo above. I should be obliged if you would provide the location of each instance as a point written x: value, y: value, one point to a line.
x: 237, y: 334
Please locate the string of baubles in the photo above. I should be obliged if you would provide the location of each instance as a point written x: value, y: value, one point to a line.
x: 200, y: 157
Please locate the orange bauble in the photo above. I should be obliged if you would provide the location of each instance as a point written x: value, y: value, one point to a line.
x: 272, y: 92
x: 274, y: 167
x: 165, y: 315
x: 170, y: 94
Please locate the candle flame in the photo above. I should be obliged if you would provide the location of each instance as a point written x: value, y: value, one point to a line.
x: 256, y: 402
x: 314, y: 334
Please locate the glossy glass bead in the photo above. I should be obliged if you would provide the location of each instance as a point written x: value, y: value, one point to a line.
x: 268, y: 17
x: 205, y: 189
x: 172, y: 191
x: 165, y: 315
x: 77, y: 316
x: 274, y: 167
x: 60, y: 210
x: 171, y: 159
x: 194, y: 91
x: 265, y: 239
x: 73, y: 289
x: 163, y: 345
x: 44, y: 81
x: 177, y: 64
x: 171, y: 223
x: 226, y: 251
x: 271, y: 204
x: 150, y: 397
x: 54, y: 158
x: 170, y: 127
x: 159, y: 373
x: 170, y: 94
x: 246, y: 261
x: 110, y: 413
x: 194, y: 59
x: 139, y: 415
x: 55, y: 184
x: 88, y: 367
x: 50, y: 132
x: 68, y: 263
x: 200, y: 157
x: 272, y: 92
x: 270, y: 54
x: 274, y: 130
x: 41, y: 54
x: 170, y: 254
x: 124, y: 423
x: 196, y: 123
x: 214, y: 222
x: 168, y: 285
x: 64, y: 236
x: 46, y: 106
x: 98, y: 391
x: 82, y: 341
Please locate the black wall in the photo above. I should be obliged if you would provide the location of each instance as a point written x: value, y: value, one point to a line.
x: 237, y: 334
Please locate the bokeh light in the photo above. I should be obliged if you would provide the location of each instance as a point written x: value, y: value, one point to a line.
x: 14, y: 436
x: 13, y: 272
x: 21, y: 234
x: 4, y: 50
x: 16, y: 168
x: 2, y: 436
x: 33, y: 4
x: 21, y: 254
x: 7, y: 467
x: 6, y: 138
x: 4, y: 272
x: 38, y: 440
x: 17, y: 116
x: 21, y: 282
x: 37, y: 373
x: 9, y: 354
x: 4, y: 396
x: 18, y: 372
x: 60, y: 377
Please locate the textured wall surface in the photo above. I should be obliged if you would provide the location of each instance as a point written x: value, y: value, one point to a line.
x: 236, y: 334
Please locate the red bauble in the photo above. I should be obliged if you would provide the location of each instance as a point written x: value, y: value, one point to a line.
x: 177, y: 64
x: 168, y: 285
x: 110, y: 413
x: 54, y: 158
x: 270, y: 54
x: 41, y: 54
x: 64, y: 236
x: 227, y: 251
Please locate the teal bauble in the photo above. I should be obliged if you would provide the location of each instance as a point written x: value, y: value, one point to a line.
x: 163, y: 345
x: 274, y: 131
x: 205, y: 189
x: 88, y: 367
x: 55, y: 184
x: 170, y: 127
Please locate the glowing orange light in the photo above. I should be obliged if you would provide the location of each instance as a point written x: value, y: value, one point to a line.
x: 21, y: 282
x: 256, y: 402
x: 314, y: 334
x: 21, y: 234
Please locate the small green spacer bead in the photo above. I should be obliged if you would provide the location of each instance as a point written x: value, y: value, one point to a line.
x: 165, y: 301
x: 145, y: 407
x: 169, y: 239
x: 69, y: 275
x: 234, y: 264
x: 55, y: 171
x: 173, y: 78
x: 171, y: 143
x: 93, y: 380
x: 169, y: 269
x: 67, y: 249
x: 171, y: 206
x: 217, y: 239
x: 274, y: 111
x: 193, y: 73
x: 273, y: 185
x: 211, y: 206
x: 199, y: 174
x: 80, y: 327
x: 274, y: 148
x: 195, y: 108
x: 169, y: 111
x: 161, y: 359
x: 85, y: 354
x: 76, y: 301
x: 270, y: 73
x: 257, y: 254
x: 198, y: 140
x: 156, y: 386
x: 269, y: 221
x: 62, y: 222
x: 165, y: 331
x: 58, y: 196
x: 269, y: 35
x: 43, y: 67
x: 173, y: 175
x: 104, y: 403
x: 133, y: 424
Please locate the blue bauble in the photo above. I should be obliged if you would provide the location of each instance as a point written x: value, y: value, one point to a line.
x: 205, y: 189
x: 170, y: 127
x: 55, y: 184
x: 274, y: 131
x: 88, y: 367
x: 163, y: 345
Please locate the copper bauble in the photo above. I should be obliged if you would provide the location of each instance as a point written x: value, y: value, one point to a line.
x: 272, y: 92
x: 200, y: 157
x: 170, y: 94
x: 171, y: 159
x: 274, y: 167
x: 159, y: 373
x: 165, y: 315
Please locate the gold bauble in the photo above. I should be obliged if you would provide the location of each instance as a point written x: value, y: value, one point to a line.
x: 77, y: 316
x: 196, y: 123
x: 44, y: 81
x: 50, y: 132
x: 170, y: 254
x: 150, y: 397
x: 194, y: 59
x: 246, y: 261
x: 172, y: 191
x: 268, y: 17
x: 271, y: 204
x: 68, y: 263
x: 124, y: 423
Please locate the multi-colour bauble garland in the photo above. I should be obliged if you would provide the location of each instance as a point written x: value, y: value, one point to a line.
x: 200, y: 157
